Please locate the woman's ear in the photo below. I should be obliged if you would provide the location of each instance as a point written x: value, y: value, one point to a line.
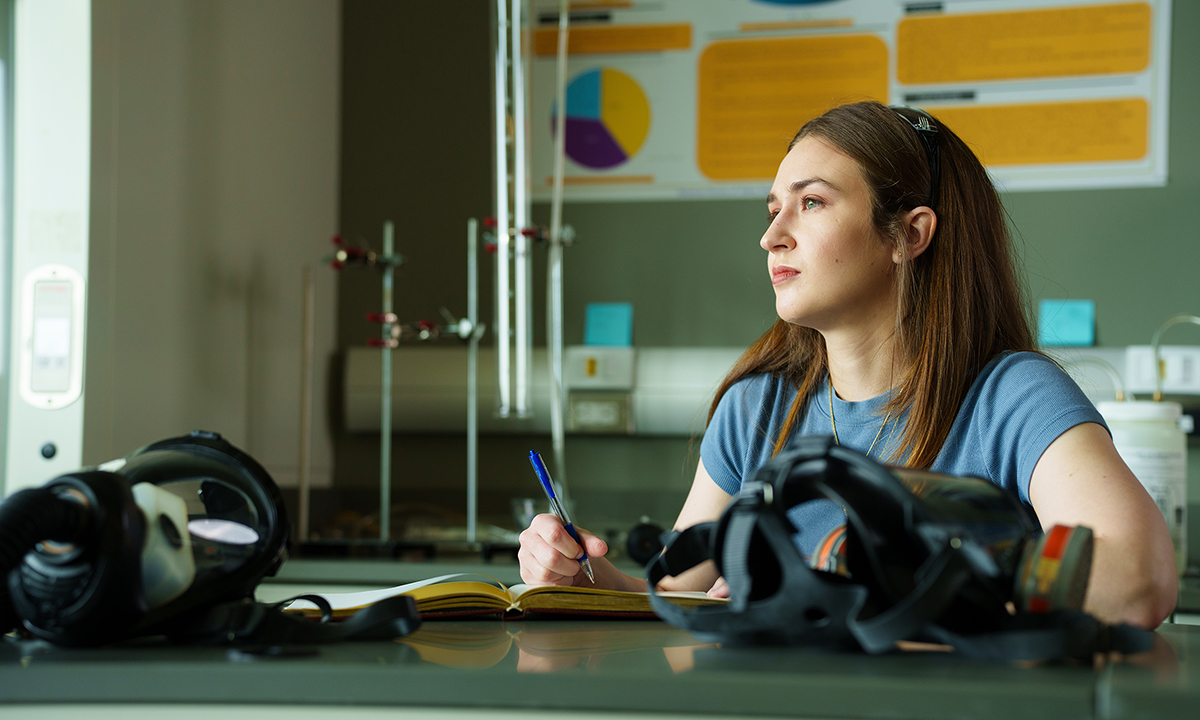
x: 919, y: 225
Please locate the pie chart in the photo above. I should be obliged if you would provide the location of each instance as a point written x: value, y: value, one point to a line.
x: 608, y: 118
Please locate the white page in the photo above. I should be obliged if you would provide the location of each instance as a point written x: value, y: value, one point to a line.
x: 343, y: 601
x: 518, y: 590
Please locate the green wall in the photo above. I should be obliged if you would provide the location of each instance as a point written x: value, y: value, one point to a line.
x: 416, y: 148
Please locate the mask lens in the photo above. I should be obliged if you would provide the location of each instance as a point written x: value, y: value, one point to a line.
x: 224, y: 522
x: 223, y: 531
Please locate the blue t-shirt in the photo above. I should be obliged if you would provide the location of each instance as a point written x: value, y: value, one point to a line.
x: 1017, y: 406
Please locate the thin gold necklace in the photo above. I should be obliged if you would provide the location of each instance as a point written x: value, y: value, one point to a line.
x: 878, y: 432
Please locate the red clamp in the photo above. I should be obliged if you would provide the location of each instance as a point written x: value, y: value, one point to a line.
x: 387, y: 317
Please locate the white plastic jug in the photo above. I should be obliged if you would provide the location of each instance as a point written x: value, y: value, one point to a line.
x: 1152, y: 440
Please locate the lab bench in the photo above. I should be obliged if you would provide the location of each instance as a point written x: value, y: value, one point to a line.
x: 547, y: 668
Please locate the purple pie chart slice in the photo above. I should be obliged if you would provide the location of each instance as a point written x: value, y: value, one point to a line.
x: 590, y: 143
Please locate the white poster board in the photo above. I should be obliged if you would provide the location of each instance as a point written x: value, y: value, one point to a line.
x: 698, y: 98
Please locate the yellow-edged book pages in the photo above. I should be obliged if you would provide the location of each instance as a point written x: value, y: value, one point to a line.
x: 594, y: 602
x: 453, y: 596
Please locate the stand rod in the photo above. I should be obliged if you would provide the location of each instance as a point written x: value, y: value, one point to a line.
x: 304, y: 460
x: 385, y: 400
x: 472, y: 379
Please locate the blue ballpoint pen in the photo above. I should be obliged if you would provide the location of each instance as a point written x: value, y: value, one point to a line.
x: 556, y: 507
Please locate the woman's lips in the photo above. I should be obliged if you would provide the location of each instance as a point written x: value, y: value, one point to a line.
x: 783, y: 274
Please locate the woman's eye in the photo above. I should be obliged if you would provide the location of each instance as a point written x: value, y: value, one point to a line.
x: 811, y: 203
x: 771, y: 215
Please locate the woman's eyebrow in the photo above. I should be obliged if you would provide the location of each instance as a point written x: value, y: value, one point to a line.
x: 800, y: 185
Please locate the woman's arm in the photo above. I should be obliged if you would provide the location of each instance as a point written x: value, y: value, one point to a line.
x: 548, y: 553
x: 1081, y: 480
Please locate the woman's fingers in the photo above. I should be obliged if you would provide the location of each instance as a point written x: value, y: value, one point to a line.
x: 595, y: 546
x: 537, y: 562
x: 720, y: 589
x: 549, y: 555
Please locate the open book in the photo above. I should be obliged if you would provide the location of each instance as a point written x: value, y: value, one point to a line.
x: 454, y: 596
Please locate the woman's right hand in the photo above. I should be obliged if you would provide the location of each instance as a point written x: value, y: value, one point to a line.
x: 550, y: 556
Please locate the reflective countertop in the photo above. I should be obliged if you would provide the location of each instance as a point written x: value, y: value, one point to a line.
x: 640, y: 666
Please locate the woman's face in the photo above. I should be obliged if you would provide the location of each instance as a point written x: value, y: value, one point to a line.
x: 830, y: 267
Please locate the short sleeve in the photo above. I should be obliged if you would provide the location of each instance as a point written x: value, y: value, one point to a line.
x: 1016, y: 409
x: 726, y: 447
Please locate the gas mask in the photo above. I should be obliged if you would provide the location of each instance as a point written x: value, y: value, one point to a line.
x: 922, y: 557
x: 170, y: 540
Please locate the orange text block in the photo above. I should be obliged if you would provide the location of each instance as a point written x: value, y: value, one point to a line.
x: 1059, y: 42
x: 599, y: 39
x: 1068, y: 132
x: 755, y: 94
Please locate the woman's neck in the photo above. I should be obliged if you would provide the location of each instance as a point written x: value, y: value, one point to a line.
x: 861, y: 363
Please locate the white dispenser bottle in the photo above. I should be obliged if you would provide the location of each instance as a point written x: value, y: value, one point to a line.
x: 1151, y: 439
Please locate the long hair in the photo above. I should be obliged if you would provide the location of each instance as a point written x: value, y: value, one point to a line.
x: 959, y: 303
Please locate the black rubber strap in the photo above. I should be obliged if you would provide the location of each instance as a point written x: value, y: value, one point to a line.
x: 249, y: 622
x: 734, y: 560
x: 683, y: 551
x: 318, y: 600
x: 1050, y: 636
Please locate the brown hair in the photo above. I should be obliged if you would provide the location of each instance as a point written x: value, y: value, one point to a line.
x: 959, y: 303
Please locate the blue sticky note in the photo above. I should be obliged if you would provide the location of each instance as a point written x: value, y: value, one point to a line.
x: 1063, y: 323
x: 608, y: 324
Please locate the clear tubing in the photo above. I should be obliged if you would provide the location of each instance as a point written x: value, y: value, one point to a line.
x: 503, y: 244
x: 523, y: 268
x: 472, y: 378
x: 1113, y: 376
x: 554, y: 273
x: 1159, y: 370
x: 385, y: 399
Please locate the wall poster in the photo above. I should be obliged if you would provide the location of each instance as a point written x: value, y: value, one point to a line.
x: 698, y: 98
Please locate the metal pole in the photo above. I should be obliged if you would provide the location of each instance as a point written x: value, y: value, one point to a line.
x: 472, y: 378
x: 385, y: 400
x: 554, y: 311
x: 304, y: 461
x: 523, y: 267
x: 503, y: 222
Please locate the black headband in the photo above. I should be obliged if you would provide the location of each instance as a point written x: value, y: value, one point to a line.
x: 927, y: 130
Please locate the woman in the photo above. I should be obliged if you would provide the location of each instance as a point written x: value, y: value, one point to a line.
x: 902, y: 333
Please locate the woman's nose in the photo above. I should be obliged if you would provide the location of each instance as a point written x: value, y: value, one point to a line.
x: 777, y: 238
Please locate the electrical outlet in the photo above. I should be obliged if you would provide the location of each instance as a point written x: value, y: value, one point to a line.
x: 1181, y: 365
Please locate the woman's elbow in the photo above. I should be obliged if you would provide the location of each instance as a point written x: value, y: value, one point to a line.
x: 1161, y: 585
x: 1159, y: 598
x: 1153, y: 603
x: 1134, y: 581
